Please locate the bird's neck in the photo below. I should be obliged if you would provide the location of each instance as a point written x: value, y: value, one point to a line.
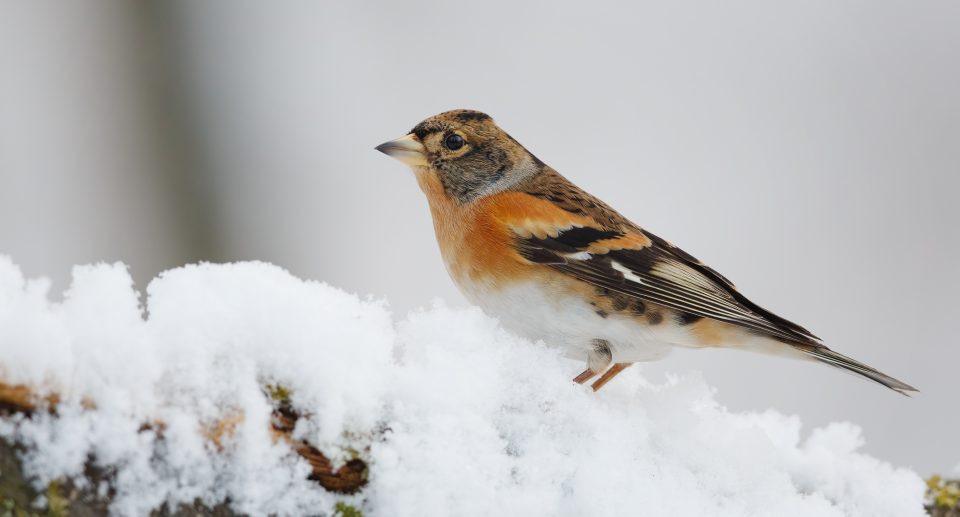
x: 446, y: 210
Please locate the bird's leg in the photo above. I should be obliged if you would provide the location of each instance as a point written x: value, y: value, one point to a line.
x: 585, y: 376
x: 598, y: 359
x: 609, y: 374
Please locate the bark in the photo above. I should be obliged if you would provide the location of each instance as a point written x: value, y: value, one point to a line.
x: 18, y: 494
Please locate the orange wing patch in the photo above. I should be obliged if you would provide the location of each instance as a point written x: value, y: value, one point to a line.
x: 630, y: 241
x: 529, y: 216
x: 495, y: 222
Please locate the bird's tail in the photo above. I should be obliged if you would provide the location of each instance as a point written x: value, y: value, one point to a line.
x: 825, y: 355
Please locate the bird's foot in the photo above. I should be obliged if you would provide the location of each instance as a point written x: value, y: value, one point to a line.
x: 608, y: 375
x: 585, y: 376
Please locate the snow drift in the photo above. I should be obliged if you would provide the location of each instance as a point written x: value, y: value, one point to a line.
x: 454, y: 415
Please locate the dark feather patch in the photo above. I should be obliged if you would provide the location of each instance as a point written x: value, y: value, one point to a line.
x: 468, y: 115
x: 423, y: 129
x: 654, y: 318
x: 583, y: 237
x: 540, y: 255
x: 640, y: 261
x: 572, y: 240
x: 620, y: 302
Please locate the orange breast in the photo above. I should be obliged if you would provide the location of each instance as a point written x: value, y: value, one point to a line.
x: 476, y: 239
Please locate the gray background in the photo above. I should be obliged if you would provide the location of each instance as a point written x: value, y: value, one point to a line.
x: 807, y: 150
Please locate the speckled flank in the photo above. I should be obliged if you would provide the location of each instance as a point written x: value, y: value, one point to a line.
x: 619, y: 303
x: 654, y: 317
x: 638, y: 308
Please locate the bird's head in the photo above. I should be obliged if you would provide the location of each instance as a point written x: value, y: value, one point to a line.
x: 470, y: 155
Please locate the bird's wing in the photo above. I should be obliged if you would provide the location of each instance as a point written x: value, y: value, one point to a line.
x: 634, y: 262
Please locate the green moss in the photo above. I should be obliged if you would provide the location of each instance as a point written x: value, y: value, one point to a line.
x: 943, y: 494
x: 10, y: 508
x: 345, y: 510
x: 278, y: 392
x: 15, y: 492
x: 57, y: 505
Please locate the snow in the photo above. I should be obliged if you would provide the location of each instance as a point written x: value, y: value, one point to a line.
x: 454, y: 415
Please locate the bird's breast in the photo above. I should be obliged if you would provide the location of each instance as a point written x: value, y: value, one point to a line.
x: 476, y: 246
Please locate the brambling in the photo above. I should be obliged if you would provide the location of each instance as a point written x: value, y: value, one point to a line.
x: 553, y: 262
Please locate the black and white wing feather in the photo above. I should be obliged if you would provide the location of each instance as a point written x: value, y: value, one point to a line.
x: 660, y: 273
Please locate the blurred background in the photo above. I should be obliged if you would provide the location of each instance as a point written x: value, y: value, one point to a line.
x: 809, y: 151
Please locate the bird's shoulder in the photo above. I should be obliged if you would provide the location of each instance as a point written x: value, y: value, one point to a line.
x: 594, y: 216
x: 564, y: 195
x: 547, y: 207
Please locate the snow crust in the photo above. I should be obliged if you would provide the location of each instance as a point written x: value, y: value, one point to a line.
x: 454, y: 415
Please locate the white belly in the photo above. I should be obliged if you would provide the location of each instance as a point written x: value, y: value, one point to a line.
x: 571, y: 324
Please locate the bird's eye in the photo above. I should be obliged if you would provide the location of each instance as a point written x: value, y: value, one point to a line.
x: 453, y: 141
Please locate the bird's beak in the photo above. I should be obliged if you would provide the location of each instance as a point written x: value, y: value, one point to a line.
x: 407, y: 149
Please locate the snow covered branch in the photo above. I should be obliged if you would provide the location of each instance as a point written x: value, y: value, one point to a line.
x: 242, y: 386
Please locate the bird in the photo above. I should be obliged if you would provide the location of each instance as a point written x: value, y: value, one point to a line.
x: 554, y: 263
